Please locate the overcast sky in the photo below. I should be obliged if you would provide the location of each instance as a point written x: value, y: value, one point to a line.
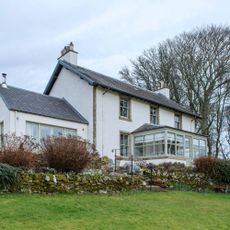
x: 107, y: 34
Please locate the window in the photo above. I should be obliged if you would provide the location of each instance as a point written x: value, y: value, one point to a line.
x: 39, y: 131
x: 171, y: 143
x: 177, y: 120
x: 124, y: 144
x: 199, y: 147
x: 124, y: 108
x: 188, y: 149
x: 149, y: 145
x: 153, y: 115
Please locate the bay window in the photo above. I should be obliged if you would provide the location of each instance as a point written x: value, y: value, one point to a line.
x: 179, y: 144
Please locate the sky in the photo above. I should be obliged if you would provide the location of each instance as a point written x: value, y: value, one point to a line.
x: 106, y: 34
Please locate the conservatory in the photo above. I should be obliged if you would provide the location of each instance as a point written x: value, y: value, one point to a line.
x: 161, y: 141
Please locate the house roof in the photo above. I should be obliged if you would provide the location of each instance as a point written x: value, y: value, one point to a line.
x: 98, y: 79
x: 21, y: 100
x: 149, y: 127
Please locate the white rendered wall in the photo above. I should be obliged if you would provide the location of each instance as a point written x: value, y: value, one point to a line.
x: 166, y: 117
x: 4, y: 116
x: 19, y: 119
x: 188, y: 123
x: 78, y: 93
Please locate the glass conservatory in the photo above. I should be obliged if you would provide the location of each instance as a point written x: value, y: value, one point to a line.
x: 169, y: 142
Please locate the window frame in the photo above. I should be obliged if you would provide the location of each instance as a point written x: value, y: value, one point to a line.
x: 124, y: 145
x: 178, y: 122
x: 39, y: 125
x: 128, y: 117
x: 156, y: 108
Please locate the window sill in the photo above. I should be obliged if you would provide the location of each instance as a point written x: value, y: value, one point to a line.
x: 124, y: 118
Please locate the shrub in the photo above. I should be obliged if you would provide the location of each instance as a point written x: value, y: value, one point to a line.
x: 213, y: 168
x: 8, y: 176
x: 205, y: 165
x: 17, y: 151
x: 67, y: 154
x: 222, y: 171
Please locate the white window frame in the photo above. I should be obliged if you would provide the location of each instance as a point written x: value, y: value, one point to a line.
x: 123, y: 145
x: 39, y: 125
x: 178, y: 124
x: 154, y: 115
x: 127, y: 108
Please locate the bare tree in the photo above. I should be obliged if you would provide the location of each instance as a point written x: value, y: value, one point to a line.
x: 196, y: 67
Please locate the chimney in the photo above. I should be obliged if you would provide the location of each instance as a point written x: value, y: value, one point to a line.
x: 3, y: 84
x: 69, y: 54
x: 164, y: 90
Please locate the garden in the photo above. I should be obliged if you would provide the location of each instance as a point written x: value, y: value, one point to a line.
x: 72, y: 165
x: 64, y: 184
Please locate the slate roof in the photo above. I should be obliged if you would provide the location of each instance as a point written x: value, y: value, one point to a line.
x: 95, y: 78
x: 30, y: 102
x: 148, y: 127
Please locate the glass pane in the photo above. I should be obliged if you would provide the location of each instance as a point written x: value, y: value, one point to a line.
x: 139, y: 139
x: 56, y: 131
x: 149, y: 150
x: 159, y: 148
x: 139, y: 151
x: 45, y: 131
x: 202, y: 148
x: 188, y: 150
x: 32, y: 130
x: 124, y: 151
x: 171, y: 137
x: 195, y: 147
x: 148, y: 138
x: 71, y: 132
x: 180, y: 145
x: 159, y: 136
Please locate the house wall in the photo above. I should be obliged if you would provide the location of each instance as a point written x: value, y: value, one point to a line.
x: 109, y: 126
x: 4, y: 116
x: 18, y: 123
x: 78, y: 93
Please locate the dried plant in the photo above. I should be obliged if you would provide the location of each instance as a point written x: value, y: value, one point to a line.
x: 67, y: 154
x: 18, y: 150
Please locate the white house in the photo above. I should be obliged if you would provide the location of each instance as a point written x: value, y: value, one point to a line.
x: 119, y: 118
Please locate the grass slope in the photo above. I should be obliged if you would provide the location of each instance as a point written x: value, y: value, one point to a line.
x: 166, y: 210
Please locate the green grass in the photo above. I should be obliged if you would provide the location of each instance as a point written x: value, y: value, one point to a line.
x: 156, y: 210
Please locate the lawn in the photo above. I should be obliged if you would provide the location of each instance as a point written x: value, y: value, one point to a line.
x: 147, y: 210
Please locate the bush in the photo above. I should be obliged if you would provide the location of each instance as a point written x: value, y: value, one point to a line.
x: 213, y: 168
x: 222, y: 171
x: 18, y: 151
x: 205, y: 165
x: 67, y: 154
x: 8, y: 176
